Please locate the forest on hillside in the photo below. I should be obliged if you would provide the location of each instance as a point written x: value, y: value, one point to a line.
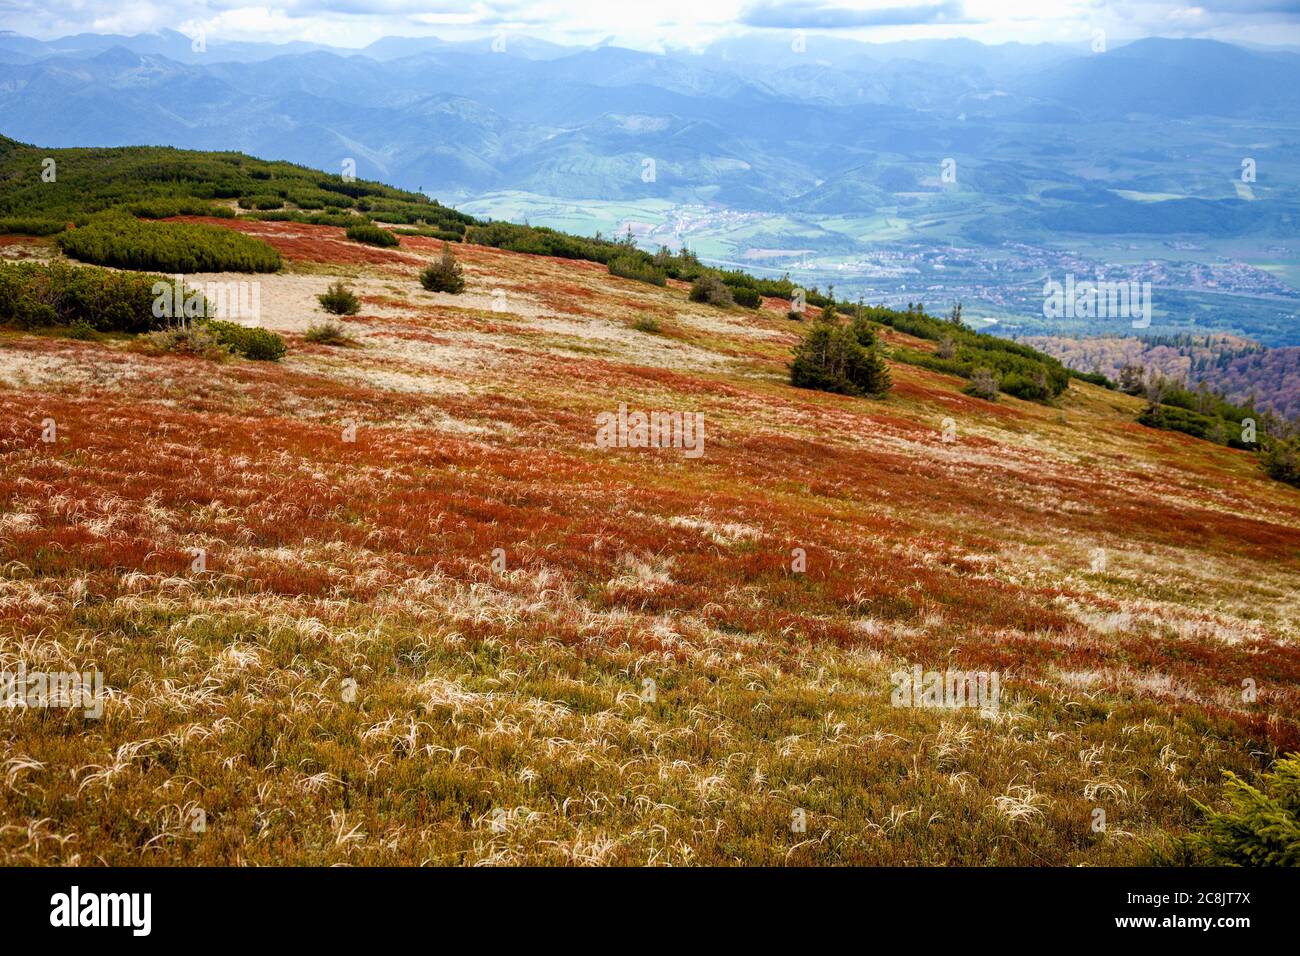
x: 1237, y: 367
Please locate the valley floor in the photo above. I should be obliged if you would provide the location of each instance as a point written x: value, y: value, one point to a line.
x: 434, y: 623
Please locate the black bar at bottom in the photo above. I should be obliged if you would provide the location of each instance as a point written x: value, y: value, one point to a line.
x: 334, y: 906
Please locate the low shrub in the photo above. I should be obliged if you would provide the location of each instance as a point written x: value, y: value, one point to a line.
x: 329, y: 333
x: 627, y: 267
x: 648, y: 324
x: 33, y: 314
x: 249, y: 341
x: 712, y: 290
x: 372, y: 235
x: 747, y: 297
x: 31, y: 226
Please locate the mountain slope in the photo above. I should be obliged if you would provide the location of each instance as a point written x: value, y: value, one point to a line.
x: 436, y: 621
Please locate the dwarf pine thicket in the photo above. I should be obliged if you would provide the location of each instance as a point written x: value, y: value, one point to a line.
x: 25, y: 226
x: 56, y: 294
x: 89, y: 301
x: 1019, y: 370
x: 156, y: 182
x: 128, y: 243
x: 629, y: 267
x: 1203, y: 413
x: 371, y: 234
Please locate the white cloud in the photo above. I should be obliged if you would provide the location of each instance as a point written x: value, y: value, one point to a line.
x: 656, y: 23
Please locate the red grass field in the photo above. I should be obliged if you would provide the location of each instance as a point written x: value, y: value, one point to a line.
x: 359, y: 675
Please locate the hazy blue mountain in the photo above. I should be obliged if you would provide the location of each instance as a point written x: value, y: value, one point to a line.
x: 393, y: 48
x: 969, y: 162
x: 168, y: 43
x: 1173, y: 78
x: 839, y: 122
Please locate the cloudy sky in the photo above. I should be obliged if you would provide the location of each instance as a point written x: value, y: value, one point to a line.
x: 653, y: 24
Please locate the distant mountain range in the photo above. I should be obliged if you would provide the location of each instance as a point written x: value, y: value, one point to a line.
x: 749, y: 123
x: 995, y: 165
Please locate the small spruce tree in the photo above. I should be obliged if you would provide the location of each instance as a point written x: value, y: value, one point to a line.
x: 831, y: 358
x: 444, y: 275
x: 339, y: 300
